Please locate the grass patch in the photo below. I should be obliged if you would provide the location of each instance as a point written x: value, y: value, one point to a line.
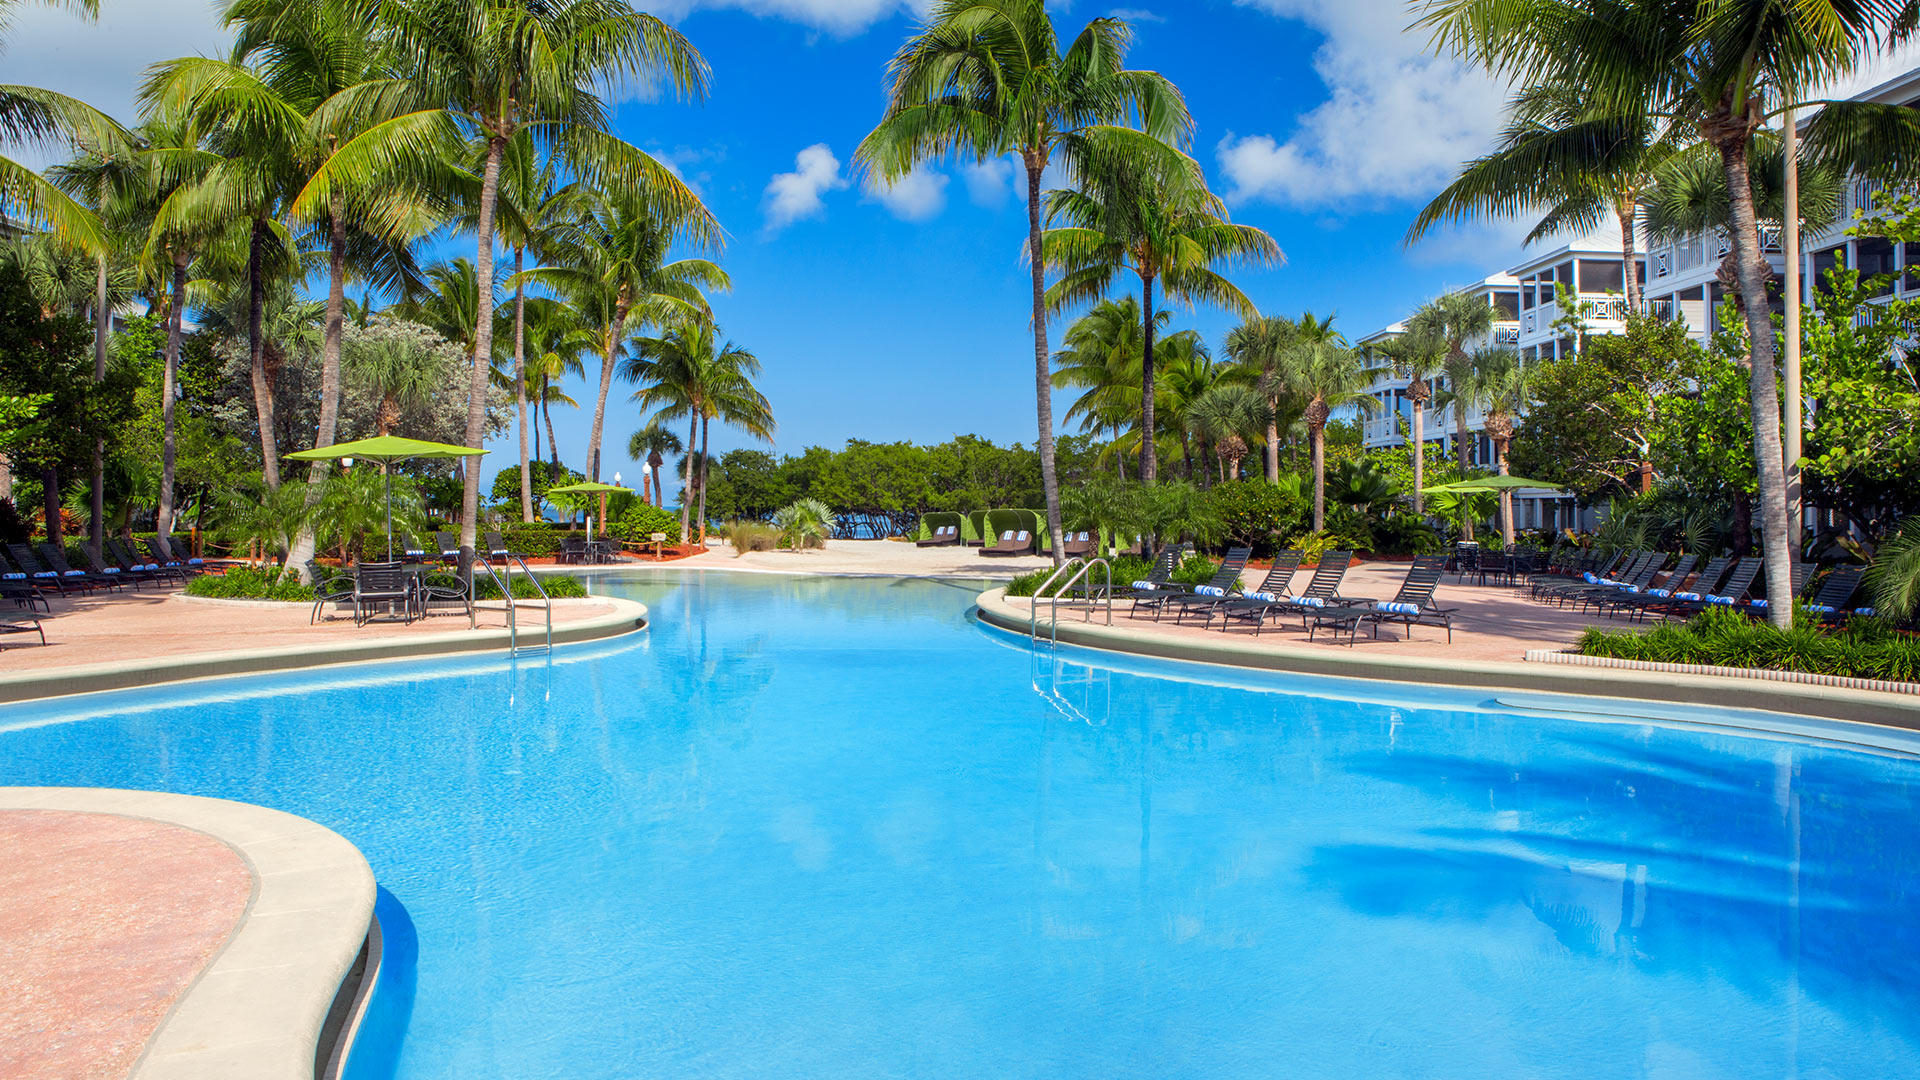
x: 1862, y: 649
x: 251, y: 583
x: 558, y: 587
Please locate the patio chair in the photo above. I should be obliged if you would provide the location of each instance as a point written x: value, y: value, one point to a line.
x: 1642, y: 603
x: 108, y: 564
x: 1225, y: 577
x: 330, y: 586
x: 22, y: 622
x: 1322, y: 591
x: 1011, y: 543
x: 1800, y: 578
x: 1412, y: 604
x: 458, y: 595
x: 1627, y: 599
x: 943, y: 536
x: 409, y: 546
x: 1563, y: 593
x: 449, y: 547
x: 497, y: 549
x: 375, y: 584
x: 52, y: 556
x: 1277, y: 583
x: 1731, y: 593
x: 1589, y: 571
x: 1828, y: 605
x: 1158, y: 578
x: 130, y: 562
x: 573, y: 549
x: 43, y: 577
x: 17, y: 588
x: 186, y: 568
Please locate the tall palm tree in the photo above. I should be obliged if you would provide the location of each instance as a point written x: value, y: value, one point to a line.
x: 1417, y: 356
x: 1457, y: 320
x: 557, y: 338
x: 493, y: 70
x: 1259, y: 344
x: 1229, y: 416
x: 35, y: 117
x: 1328, y: 375
x: 650, y: 446
x: 1505, y: 387
x: 688, y: 371
x: 988, y: 78
x: 1563, y: 151
x: 613, y: 266
x: 1133, y: 213
x: 1101, y: 353
x: 1718, y: 69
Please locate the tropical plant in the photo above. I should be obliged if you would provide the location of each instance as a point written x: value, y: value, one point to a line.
x: 402, y: 371
x: 1504, y: 388
x: 1361, y: 483
x: 1176, y: 510
x: 1259, y: 344
x: 34, y: 117
x: 1419, y: 356
x: 690, y: 372
x: 805, y: 523
x: 1894, y: 577
x: 1328, y: 376
x: 650, y: 446
x: 555, y: 340
x: 987, y: 78
x: 1456, y: 321
x: 1101, y: 353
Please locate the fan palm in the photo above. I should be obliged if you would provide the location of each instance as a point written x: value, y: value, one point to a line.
x: 1418, y: 356
x: 401, y: 371
x: 1101, y: 354
x: 1132, y: 213
x: 650, y: 445
x: 1259, y: 344
x: 1329, y: 375
x: 988, y: 78
x: 689, y: 372
x: 1190, y: 373
x: 493, y: 70
x: 1715, y: 68
x: 557, y: 338
x: 1229, y: 416
x: 1455, y: 320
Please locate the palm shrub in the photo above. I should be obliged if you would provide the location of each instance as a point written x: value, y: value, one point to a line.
x: 251, y: 583
x: 1126, y: 568
x: 804, y: 523
x: 1720, y: 637
x: 1894, y: 577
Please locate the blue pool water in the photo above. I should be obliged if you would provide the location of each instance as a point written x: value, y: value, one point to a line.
x: 830, y: 829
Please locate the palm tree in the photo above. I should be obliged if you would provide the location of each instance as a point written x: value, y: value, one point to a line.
x: 36, y: 117
x: 401, y: 371
x: 613, y: 267
x: 1455, y: 320
x: 1101, y: 354
x: 556, y: 340
x: 494, y: 70
x: 1562, y: 151
x: 1328, y: 375
x: 1134, y: 214
x: 1505, y: 387
x: 1689, y: 194
x: 1259, y: 344
x: 1418, y: 356
x: 1229, y: 416
x: 1190, y: 374
x: 986, y: 79
x: 1715, y: 68
x: 650, y: 445
x: 689, y: 372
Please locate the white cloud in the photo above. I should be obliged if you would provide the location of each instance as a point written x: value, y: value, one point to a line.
x: 834, y: 16
x: 918, y: 196
x: 795, y: 195
x: 1136, y: 15
x: 989, y: 182
x: 1397, y: 122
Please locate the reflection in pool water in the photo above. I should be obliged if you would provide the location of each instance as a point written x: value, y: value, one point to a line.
x: 809, y: 828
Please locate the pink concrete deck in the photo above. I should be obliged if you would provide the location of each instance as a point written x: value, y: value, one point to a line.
x: 149, y: 625
x: 1493, y: 623
x: 104, y: 922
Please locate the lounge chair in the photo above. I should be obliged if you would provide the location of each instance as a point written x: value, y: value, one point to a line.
x: 1011, y: 543
x: 497, y: 550
x: 1412, y: 604
x: 1276, y: 584
x: 1078, y: 545
x: 1800, y: 579
x: 375, y: 584
x: 458, y: 595
x: 330, y: 586
x: 1589, y: 571
x: 943, y: 536
x: 409, y: 546
x: 1225, y: 577
x: 1322, y: 591
x: 44, y: 577
x: 1641, y: 563
x: 57, y: 559
x: 449, y: 547
x: 1732, y: 593
x: 188, y: 567
x: 1159, y: 576
x: 1828, y: 605
x: 1638, y: 604
x: 108, y: 565
x: 1622, y: 598
x: 23, y: 621
x: 130, y: 560
x: 17, y: 588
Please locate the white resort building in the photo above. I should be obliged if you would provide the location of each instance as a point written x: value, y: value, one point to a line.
x: 1679, y: 281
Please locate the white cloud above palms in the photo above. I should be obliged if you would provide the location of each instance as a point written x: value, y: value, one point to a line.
x: 918, y: 196
x: 799, y: 194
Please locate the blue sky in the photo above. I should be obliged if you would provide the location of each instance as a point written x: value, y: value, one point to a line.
x: 902, y: 314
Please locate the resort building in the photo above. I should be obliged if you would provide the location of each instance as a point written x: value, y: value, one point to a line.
x: 1679, y: 281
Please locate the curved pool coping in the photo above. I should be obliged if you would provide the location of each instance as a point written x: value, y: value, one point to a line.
x: 258, y: 1009
x: 1798, y: 699
x: 627, y: 616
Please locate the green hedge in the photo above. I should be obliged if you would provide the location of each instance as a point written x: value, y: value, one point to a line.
x: 251, y: 583
x: 976, y: 528
x: 642, y: 520
x: 1720, y: 637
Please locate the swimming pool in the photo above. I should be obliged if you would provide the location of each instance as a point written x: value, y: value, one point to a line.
x: 808, y: 828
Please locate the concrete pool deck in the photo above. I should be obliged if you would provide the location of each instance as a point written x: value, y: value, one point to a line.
x: 171, y: 937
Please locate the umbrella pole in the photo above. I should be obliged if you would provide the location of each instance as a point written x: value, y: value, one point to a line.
x: 389, y: 475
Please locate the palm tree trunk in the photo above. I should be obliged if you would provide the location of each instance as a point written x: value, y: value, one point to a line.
x: 1731, y: 137
x: 659, y: 496
x: 706, y: 431
x: 1042, y: 366
x: 1629, y: 246
x: 686, y: 492
x: 553, y: 444
x: 1419, y: 456
x: 102, y: 324
x: 302, y: 549
x: 606, y: 386
x: 169, y: 373
x: 1273, y: 434
x: 1460, y: 452
x: 1149, y: 468
x: 257, y: 353
x: 482, y: 340
x: 520, y: 379
x: 1318, y: 437
x: 50, y: 501
x: 1506, y: 496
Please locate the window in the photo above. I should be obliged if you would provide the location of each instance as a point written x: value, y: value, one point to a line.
x: 1564, y: 274
x: 1875, y: 256
x: 1913, y: 266
x: 1506, y: 305
x: 1601, y: 277
x: 1823, y: 261
x: 1526, y: 295
x: 1565, y: 346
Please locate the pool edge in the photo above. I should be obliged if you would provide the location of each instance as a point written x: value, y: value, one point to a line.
x: 1825, y: 702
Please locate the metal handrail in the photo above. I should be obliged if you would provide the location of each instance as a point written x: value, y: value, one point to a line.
x: 506, y: 590
x: 1086, y: 572
x: 1033, y: 621
x: 537, y: 587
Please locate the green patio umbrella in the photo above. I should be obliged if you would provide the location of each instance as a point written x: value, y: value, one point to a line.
x: 592, y: 488
x: 385, y: 449
x: 1502, y: 483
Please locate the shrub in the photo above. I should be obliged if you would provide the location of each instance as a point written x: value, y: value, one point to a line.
x: 642, y: 520
x: 251, y: 583
x: 558, y: 587
x: 1404, y: 534
x: 1313, y: 545
x: 1721, y: 637
x: 752, y: 536
x: 806, y: 523
x: 1195, y: 570
x: 1127, y: 569
x: 1256, y: 513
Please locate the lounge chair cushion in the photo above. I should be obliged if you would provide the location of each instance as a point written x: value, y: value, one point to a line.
x: 1864, y: 611
x: 1751, y: 603
x: 1145, y: 586
x: 196, y: 562
x: 1592, y: 578
x: 109, y: 569
x: 1661, y: 593
x: 1824, y: 609
x: 1263, y: 597
x: 1394, y: 607
x: 1688, y: 596
x: 44, y: 573
x: 1723, y: 601
x: 14, y: 577
x: 1209, y: 590
x: 1311, y: 601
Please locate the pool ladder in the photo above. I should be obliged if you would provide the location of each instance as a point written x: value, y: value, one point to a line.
x: 1082, y: 571
x: 504, y: 582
